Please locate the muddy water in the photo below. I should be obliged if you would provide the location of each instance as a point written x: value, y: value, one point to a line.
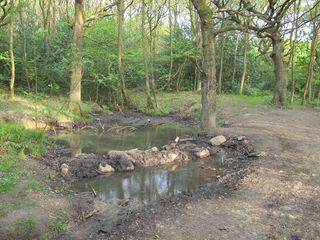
x: 122, y: 138
x: 146, y: 185
x: 142, y: 185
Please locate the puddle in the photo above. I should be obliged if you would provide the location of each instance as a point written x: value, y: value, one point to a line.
x: 125, y: 139
x: 146, y: 185
x: 142, y: 185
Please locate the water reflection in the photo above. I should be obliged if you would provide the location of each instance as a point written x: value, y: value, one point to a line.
x: 153, y: 184
x: 142, y: 138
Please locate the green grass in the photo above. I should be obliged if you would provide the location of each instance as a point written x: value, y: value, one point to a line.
x: 45, y: 107
x: 15, y: 143
x: 57, y: 227
x: 169, y: 103
x: 25, y: 226
x: 35, y: 186
x: 3, y: 212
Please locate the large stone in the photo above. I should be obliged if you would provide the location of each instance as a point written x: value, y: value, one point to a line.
x: 64, y: 169
x: 123, y: 165
x: 121, y: 161
x: 201, y: 153
x: 105, y: 168
x: 116, y: 155
x: 218, y: 140
x: 172, y: 157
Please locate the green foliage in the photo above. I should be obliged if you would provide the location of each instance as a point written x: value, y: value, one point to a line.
x: 57, y: 227
x: 25, y: 226
x: 35, y: 186
x: 15, y: 142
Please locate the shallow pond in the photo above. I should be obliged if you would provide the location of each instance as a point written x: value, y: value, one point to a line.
x: 142, y: 185
x: 122, y: 138
x: 153, y: 184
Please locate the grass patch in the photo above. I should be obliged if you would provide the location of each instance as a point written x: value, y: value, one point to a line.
x: 3, y: 212
x: 15, y: 143
x: 35, y: 186
x: 57, y: 227
x: 25, y: 226
x: 45, y: 107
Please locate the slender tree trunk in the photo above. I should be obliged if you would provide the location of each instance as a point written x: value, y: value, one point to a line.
x: 153, y: 57
x: 120, y: 9
x: 281, y: 71
x: 244, y: 72
x: 145, y: 55
x: 293, y: 41
x: 12, y: 62
x: 307, y: 88
x: 221, y: 63
x: 24, y: 58
x: 208, y: 83
x: 76, y: 70
x: 196, y: 34
x: 235, y: 58
x: 170, y: 41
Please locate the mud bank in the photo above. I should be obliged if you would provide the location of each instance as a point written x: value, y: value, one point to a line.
x: 83, y: 166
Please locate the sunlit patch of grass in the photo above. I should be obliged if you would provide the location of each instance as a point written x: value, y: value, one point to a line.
x: 35, y: 186
x: 25, y: 226
x: 15, y: 142
x: 57, y: 227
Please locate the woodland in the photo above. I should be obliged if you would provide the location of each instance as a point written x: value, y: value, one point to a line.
x: 97, y: 50
x: 159, y: 119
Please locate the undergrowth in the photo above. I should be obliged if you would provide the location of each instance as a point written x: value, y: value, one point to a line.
x: 15, y: 143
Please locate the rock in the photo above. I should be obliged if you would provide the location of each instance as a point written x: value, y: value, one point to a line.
x: 123, y: 165
x: 241, y: 138
x: 154, y: 149
x: 64, y: 169
x: 201, y: 152
x: 218, y: 140
x: 172, y: 157
x: 115, y: 155
x: 105, y: 169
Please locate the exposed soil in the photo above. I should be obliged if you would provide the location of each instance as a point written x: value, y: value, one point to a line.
x: 275, y: 197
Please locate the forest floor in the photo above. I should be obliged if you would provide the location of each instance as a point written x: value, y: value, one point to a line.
x: 274, y: 197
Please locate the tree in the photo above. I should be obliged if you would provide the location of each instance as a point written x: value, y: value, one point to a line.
x: 208, y: 81
x: 76, y: 69
x: 244, y: 71
x: 265, y: 22
x: 120, y: 18
x: 12, y: 62
x: 308, y: 83
x: 145, y: 54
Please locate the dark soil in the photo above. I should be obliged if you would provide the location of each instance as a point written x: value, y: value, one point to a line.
x: 274, y: 197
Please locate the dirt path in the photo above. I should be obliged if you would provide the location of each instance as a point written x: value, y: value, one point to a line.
x: 279, y: 199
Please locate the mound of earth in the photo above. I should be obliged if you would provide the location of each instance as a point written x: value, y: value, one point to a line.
x: 181, y: 150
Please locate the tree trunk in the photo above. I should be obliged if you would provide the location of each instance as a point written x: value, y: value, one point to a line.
x: 208, y: 83
x: 76, y: 70
x: 145, y: 55
x: 281, y: 71
x: 307, y: 88
x: 244, y: 72
x: 170, y: 41
x: 12, y: 63
x: 294, y: 35
x: 120, y: 10
x: 196, y: 34
x: 24, y: 58
x: 235, y: 59
x: 221, y: 63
